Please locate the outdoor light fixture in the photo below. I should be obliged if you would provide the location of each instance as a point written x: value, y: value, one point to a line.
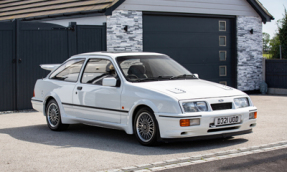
x: 251, y: 31
x: 126, y: 28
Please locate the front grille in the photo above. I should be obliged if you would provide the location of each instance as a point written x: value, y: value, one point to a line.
x: 221, y: 106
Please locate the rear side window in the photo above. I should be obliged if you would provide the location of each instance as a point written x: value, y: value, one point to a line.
x: 69, y: 71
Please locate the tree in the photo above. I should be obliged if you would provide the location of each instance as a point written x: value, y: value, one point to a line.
x: 266, y: 40
x: 275, y: 43
x: 283, y: 34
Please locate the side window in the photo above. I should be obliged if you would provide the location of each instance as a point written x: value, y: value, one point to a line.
x: 96, y: 70
x: 69, y: 71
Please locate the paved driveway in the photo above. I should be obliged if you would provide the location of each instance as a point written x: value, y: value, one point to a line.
x: 26, y: 143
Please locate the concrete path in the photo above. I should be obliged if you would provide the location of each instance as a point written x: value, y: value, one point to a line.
x: 26, y: 143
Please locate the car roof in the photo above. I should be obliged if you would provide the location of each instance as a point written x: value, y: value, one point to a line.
x: 113, y: 54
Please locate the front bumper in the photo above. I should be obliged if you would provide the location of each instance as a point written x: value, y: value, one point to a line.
x: 170, y: 128
x: 216, y: 136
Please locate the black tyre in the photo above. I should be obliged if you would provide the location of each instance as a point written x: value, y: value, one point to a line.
x: 53, y: 116
x: 146, y: 127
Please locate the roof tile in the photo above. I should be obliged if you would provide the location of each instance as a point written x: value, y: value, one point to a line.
x: 13, y: 9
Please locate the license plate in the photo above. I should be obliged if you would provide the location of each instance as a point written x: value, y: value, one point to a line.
x: 227, y: 120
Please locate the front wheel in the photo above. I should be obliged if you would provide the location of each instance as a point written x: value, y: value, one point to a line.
x: 53, y: 117
x: 145, y: 127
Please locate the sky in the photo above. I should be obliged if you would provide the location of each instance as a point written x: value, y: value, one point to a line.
x: 276, y: 8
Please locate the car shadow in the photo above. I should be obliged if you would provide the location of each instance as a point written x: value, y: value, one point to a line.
x: 91, y: 137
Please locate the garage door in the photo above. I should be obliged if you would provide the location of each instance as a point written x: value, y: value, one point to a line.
x: 203, y: 45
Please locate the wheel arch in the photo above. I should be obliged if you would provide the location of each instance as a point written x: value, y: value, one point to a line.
x: 135, y: 109
x: 51, y: 97
x: 46, y: 102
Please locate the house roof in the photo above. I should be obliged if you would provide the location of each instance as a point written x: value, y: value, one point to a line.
x: 261, y: 10
x: 38, y: 9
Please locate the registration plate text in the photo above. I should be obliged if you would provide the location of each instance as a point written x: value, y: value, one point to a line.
x: 227, y: 120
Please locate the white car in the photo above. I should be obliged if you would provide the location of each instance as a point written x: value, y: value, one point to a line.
x: 146, y: 94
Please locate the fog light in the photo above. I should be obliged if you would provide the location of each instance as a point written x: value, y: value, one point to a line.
x: 253, y: 115
x: 189, y: 122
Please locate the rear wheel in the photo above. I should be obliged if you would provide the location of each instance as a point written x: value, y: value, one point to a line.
x: 146, y: 127
x: 53, y: 117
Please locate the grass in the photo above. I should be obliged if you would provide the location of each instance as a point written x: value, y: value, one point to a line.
x: 267, y: 56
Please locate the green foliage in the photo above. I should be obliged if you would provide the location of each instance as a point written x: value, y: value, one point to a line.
x: 267, y: 56
x: 266, y: 40
x: 275, y: 43
x: 283, y: 34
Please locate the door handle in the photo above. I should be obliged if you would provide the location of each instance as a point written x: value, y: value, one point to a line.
x: 79, y: 88
x: 19, y: 60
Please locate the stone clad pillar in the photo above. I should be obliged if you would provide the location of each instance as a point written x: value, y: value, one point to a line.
x: 249, y: 53
x: 125, y: 41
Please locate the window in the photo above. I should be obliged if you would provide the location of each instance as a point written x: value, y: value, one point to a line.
x: 222, y: 25
x: 222, y: 40
x: 96, y: 70
x: 222, y: 55
x: 69, y: 71
x: 151, y: 68
x: 223, y: 82
x: 222, y: 71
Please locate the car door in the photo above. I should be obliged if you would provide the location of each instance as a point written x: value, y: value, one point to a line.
x: 94, y: 101
x: 63, y: 81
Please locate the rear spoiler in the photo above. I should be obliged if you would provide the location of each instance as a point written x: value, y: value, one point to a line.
x: 49, y: 66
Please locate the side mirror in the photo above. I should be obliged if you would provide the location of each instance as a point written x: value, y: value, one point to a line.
x: 196, y: 75
x: 112, y: 82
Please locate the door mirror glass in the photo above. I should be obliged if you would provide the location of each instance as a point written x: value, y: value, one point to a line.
x: 112, y: 82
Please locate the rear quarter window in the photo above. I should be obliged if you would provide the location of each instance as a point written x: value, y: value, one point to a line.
x: 69, y: 71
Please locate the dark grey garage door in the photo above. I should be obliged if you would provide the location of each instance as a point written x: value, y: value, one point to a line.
x: 203, y: 45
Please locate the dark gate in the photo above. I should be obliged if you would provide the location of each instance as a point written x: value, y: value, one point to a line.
x: 7, y: 69
x: 40, y: 43
x: 276, y: 73
x: 91, y: 38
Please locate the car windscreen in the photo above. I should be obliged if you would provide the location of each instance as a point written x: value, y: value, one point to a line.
x: 151, y: 68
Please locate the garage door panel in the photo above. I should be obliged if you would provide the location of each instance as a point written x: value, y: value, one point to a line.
x: 201, y: 56
x: 195, y: 55
x: 194, y: 42
x: 184, y: 24
x: 206, y: 71
x: 184, y: 40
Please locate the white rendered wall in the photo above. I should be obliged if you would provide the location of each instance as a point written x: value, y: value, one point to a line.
x: 219, y: 7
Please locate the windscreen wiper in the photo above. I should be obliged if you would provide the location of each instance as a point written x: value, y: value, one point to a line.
x: 183, y: 76
x: 154, y: 78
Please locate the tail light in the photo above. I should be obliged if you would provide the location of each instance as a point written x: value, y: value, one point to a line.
x: 34, y: 93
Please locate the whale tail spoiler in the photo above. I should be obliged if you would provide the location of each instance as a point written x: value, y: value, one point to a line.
x: 49, y: 67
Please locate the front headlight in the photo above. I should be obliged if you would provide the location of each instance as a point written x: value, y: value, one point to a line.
x: 194, y: 106
x: 241, y: 102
